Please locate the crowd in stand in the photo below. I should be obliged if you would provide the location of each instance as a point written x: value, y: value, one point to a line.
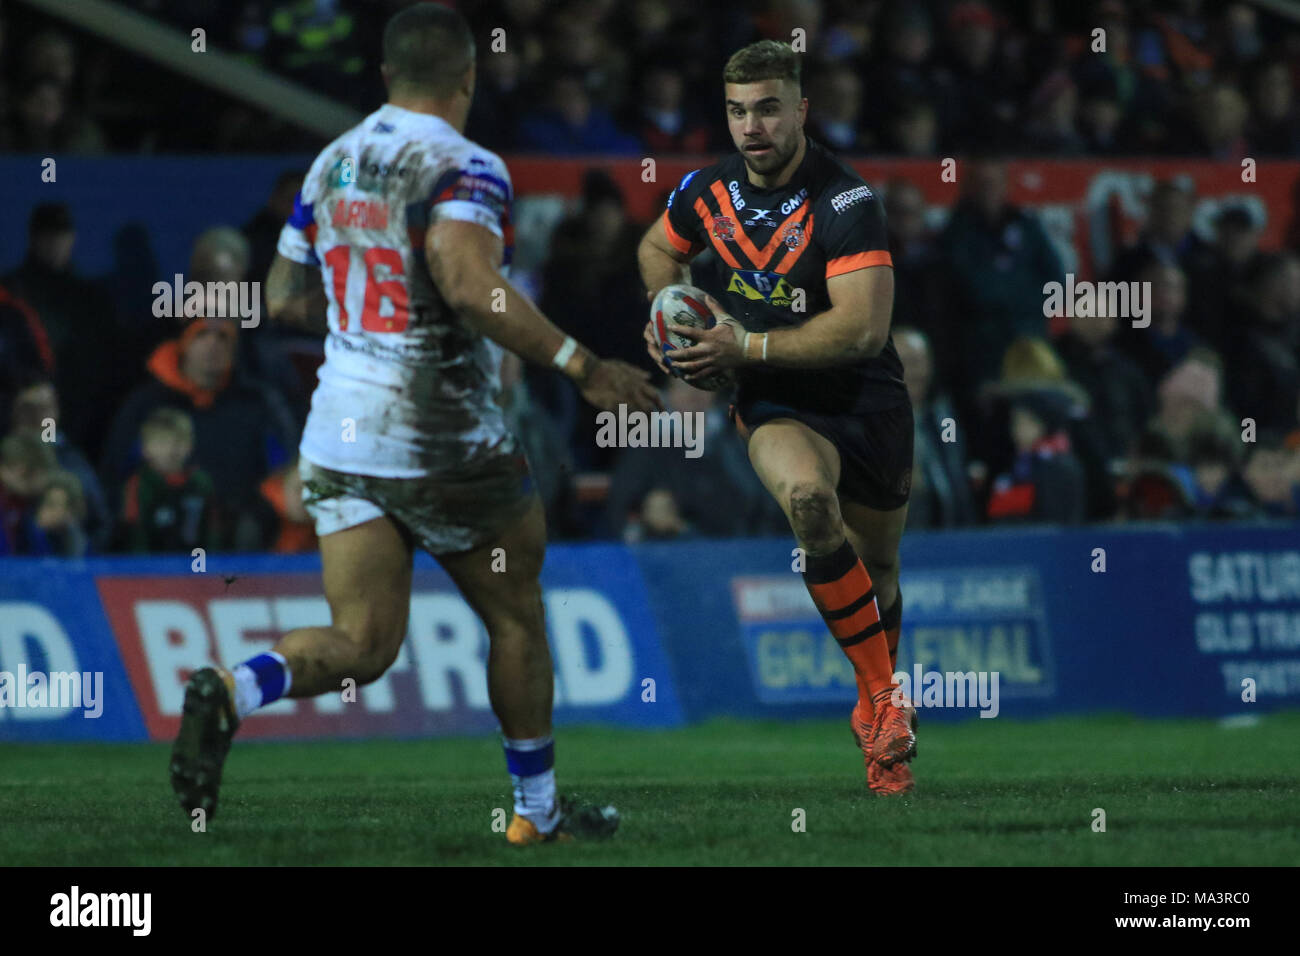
x: 640, y: 77
x: 186, y: 437
x: 126, y: 433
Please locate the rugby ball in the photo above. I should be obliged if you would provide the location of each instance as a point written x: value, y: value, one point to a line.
x: 684, y: 305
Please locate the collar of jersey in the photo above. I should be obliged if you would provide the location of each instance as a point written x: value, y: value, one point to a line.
x: 392, y: 111
x: 793, y: 184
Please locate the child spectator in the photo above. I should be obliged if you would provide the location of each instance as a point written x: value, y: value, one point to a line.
x: 1218, y: 490
x: 26, y: 464
x: 1273, y: 476
x: 1046, y: 480
x: 36, y: 412
x: 1031, y: 370
x: 167, y: 505
x: 242, y: 427
x: 59, y: 516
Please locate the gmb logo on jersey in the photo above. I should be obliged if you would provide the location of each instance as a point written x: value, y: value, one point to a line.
x: 766, y: 287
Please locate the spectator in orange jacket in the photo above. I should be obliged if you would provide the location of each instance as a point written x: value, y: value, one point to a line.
x: 242, y: 428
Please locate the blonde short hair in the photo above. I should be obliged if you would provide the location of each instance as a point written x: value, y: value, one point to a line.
x: 764, y: 60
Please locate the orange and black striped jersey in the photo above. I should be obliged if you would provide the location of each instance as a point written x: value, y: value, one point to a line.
x: 771, y: 252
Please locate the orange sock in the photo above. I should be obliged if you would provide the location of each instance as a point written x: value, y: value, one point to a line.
x: 892, y: 620
x: 842, y: 591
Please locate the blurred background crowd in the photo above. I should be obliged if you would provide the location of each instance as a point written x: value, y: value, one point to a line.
x: 916, y: 78
x: 165, y: 439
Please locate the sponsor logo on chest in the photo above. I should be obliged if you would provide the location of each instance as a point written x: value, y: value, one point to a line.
x: 734, y: 188
x: 794, y: 202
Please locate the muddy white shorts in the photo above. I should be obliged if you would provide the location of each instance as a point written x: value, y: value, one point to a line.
x: 443, y: 514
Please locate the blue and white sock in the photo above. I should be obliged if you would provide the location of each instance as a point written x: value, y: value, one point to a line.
x: 260, y: 680
x: 532, y: 772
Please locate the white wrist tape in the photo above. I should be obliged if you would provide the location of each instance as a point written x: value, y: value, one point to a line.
x: 565, y: 352
x: 764, y: 346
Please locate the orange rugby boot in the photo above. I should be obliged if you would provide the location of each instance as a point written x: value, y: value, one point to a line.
x: 890, y: 781
x: 578, y: 821
x: 882, y: 781
x: 893, y: 732
x: 523, y: 832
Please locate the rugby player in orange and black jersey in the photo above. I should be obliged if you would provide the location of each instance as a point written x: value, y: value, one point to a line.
x: 801, y: 287
x: 769, y: 244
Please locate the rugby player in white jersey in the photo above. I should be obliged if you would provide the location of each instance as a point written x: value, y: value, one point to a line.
x: 399, y: 237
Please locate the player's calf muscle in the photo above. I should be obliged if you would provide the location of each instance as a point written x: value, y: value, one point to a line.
x: 876, y: 535
x: 884, y: 576
x: 368, y: 609
x: 520, y: 609
x: 879, y: 556
x: 321, y: 658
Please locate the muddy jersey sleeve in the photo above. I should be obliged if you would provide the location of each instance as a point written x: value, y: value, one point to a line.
x: 475, y: 190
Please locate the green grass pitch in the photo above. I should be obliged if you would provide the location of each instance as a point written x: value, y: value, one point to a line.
x: 990, y: 792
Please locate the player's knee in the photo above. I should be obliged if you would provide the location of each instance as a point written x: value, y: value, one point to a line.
x: 376, y: 661
x: 377, y: 645
x: 814, y: 515
x: 522, y: 614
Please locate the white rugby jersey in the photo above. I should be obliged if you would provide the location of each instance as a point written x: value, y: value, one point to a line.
x: 407, y: 388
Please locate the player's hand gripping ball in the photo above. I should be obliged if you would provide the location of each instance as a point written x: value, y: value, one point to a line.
x: 684, y: 305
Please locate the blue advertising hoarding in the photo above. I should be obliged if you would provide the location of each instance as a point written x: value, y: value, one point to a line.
x: 1154, y: 621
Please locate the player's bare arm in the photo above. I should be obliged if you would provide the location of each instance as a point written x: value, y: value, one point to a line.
x: 856, y: 326
x: 295, y: 294
x: 660, y: 261
x: 661, y: 264
x: 461, y: 256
